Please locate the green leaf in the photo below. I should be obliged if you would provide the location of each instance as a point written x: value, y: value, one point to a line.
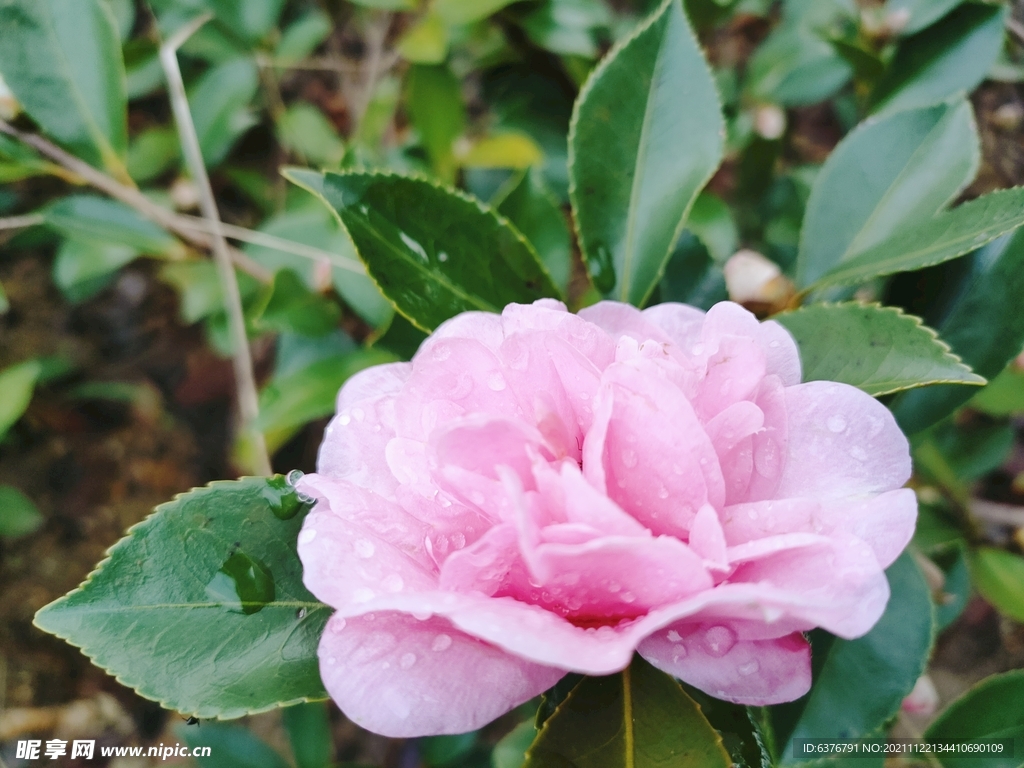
x: 83, y: 268
x: 5, y: 304
x: 252, y: 20
x: 424, y: 246
x: 444, y: 750
x: 18, y: 515
x: 62, y: 59
x: 468, y: 11
x: 304, y: 130
x: 640, y: 718
x: 951, y: 56
x: 944, y: 237
x: 646, y: 135
x: 956, y: 588
x: 426, y: 42
x: 992, y: 709
x: 231, y: 746
x: 567, y: 27
x: 293, y: 308
x: 220, y: 102
x: 200, y: 292
x: 501, y: 150
x: 741, y: 735
x: 712, y: 222
x: 859, y: 684
x: 388, y: 5
x: 1004, y: 396
x: 434, y: 103
x: 303, y: 36
x: 510, y: 752
x: 527, y: 202
x: 309, y: 731
x: 980, y: 320
x: 124, y: 16
x: 883, y: 176
x: 293, y: 400
x: 17, y: 382
x: 172, y: 614
x: 692, y: 276
x: 102, y: 220
x: 152, y: 153
x: 999, y: 577
x: 919, y: 13
x: 877, y: 349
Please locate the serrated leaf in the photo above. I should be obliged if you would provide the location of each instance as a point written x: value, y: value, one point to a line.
x: 951, y: 56
x: 201, y: 606
x: 434, y: 252
x: 859, y: 684
x: 646, y: 135
x: 947, y: 236
x: 877, y: 349
x: 883, y: 176
x: 980, y: 319
x: 992, y: 709
x: 62, y: 59
x: 639, y: 718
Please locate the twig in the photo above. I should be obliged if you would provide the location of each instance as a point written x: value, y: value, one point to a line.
x: 1015, y: 28
x: 326, y: 63
x: 1000, y: 514
x: 130, y: 197
x: 272, y: 241
x: 21, y: 222
x: 376, y: 36
x: 245, y: 379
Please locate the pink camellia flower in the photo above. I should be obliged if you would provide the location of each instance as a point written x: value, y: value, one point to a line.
x: 541, y: 492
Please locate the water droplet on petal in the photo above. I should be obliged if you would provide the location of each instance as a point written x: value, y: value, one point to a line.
x: 673, y: 636
x: 337, y: 626
x: 364, y: 548
x: 441, y: 352
x: 859, y: 454
x: 719, y: 640
x: 393, y: 583
x: 496, y: 382
x: 332, y: 660
x: 629, y: 458
x: 836, y: 423
x: 458, y: 540
x: 344, y: 419
x: 407, y: 660
x: 663, y: 492
x: 421, y: 615
x: 441, y: 643
x: 749, y: 668
x: 307, y: 535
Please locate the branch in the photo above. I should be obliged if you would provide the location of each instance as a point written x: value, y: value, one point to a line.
x: 245, y: 378
x: 131, y: 197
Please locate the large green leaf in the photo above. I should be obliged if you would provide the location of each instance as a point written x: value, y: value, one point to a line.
x: 933, y: 241
x: 992, y: 709
x: 530, y: 206
x: 919, y: 13
x: 646, y: 135
x: 639, y: 718
x: 999, y: 577
x: 434, y: 252
x: 201, y: 607
x: 292, y: 308
x: 981, y: 321
x: 309, y: 731
x: 948, y: 57
x: 99, y: 219
x: 859, y: 684
x: 62, y: 59
x: 877, y: 349
x: 17, y: 383
x: 883, y: 176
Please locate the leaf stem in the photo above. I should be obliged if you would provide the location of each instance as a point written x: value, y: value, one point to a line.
x: 245, y: 378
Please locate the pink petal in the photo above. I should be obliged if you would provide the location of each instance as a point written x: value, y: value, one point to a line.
x: 400, y: 677
x: 782, y: 358
x: 886, y: 522
x: 751, y: 672
x: 619, y: 320
x: 680, y: 322
x: 842, y: 442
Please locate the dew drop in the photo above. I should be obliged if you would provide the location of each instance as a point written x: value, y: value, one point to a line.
x: 441, y: 643
x: 749, y: 668
x: 421, y: 615
x: 663, y: 492
x: 773, y: 344
x: 393, y: 583
x: 407, y: 660
x: 496, y: 382
x: 442, y: 257
x: 332, y: 660
x: 836, y: 423
x: 337, y: 626
x: 243, y: 584
x: 300, y: 614
x: 719, y: 640
x: 766, y: 459
x: 294, y: 476
x: 698, y: 349
x: 673, y: 636
x: 441, y: 352
x: 629, y: 458
x: 859, y: 454
x: 458, y: 540
x: 307, y: 535
x: 363, y: 595
x: 364, y: 548
x: 344, y: 419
